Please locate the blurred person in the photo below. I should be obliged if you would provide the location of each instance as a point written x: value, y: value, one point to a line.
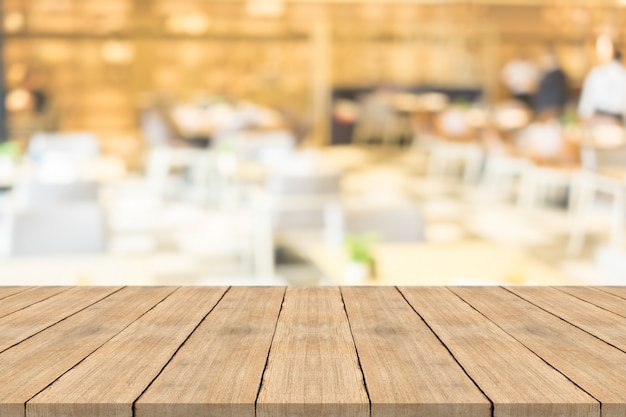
x: 603, y: 97
x: 551, y: 97
x: 521, y: 77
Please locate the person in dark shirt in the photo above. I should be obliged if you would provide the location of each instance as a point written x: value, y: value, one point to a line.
x: 552, y: 94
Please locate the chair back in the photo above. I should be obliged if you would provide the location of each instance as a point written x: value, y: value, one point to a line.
x: 74, y: 146
x: 58, y: 229
x: 155, y: 128
x: 608, y: 149
x: 303, y: 185
x: 299, y: 200
x: 36, y: 193
x: 395, y: 223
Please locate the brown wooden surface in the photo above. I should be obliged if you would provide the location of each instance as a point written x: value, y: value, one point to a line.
x: 313, y: 369
x: 518, y: 382
x: 112, y: 378
x: 8, y: 291
x: 218, y: 370
x: 617, y: 291
x: 350, y: 351
x: 601, y: 323
x: 27, y: 298
x: 596, y: 367
x: 37, y: 317
x: 408, y: 371
x: 29, y: 367
x: 599, y: 298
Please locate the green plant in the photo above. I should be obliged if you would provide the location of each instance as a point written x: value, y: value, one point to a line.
x: 569, y: 117
x: 361, y: 248
x: 10, y: 149
x: 461, y: 102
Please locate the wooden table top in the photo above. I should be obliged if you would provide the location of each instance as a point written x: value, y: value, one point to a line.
x: 304, y: 351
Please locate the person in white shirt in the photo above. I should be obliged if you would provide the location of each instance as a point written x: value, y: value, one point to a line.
x: 604, y: 92
x: 521, y: 76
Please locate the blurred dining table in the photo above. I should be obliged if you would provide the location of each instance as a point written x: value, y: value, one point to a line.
x: 466, y: 263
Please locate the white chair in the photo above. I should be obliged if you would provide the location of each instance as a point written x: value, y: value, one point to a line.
x: 456, y: 148
x: 36, y: 192
x: 538, y: 182
x: 162, y: 155
x: 398, y: 222
x: 604, y: 171
x: 60, y: 156
x: 76, y: 146
x: 501, y: 171
x: 58, y: 229
x: 546, y: 142
x: 298, y: 200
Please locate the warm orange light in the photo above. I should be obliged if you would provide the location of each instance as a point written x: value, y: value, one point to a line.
x: 18, y: 100
x: 117, y: 52
x: 265, y: 8
x: 191, y: 23
x: 13, y: 22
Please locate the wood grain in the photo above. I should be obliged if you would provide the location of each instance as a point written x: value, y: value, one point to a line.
x: 616, y: 291
x: 6, y: 291
x: 313, y: 366
x: 601, y: 323
x: 517, y: 381
x: 26, y: 322
x: 407, y: 370
x: 27, y: 298
x: 112, y: 378
x: 599, y: 298
x: 32, y: 365
x: 217, y: 372
x: 593, y: 365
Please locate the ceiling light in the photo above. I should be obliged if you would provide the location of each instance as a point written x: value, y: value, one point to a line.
x: 117, y: 52
x: 13, y: 22
x: 265, y: 8
x: 191, y: 23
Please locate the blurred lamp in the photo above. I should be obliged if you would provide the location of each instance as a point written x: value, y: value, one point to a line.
x: 190, y: 23
x: 13, y: 22
x: 265, y: 8
x: 117, y: 52
x: 18, y: 100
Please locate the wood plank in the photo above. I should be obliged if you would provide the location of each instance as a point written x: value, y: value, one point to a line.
x: 29, y: 321
x: 27, y: 298
x: 407, y: 370
x: 231, y: 344
x: 598, y: 368
x: 616, y: 291
x: 31, y: 366
x: 518, y: 382
x: 6, y: 291
x: 599, y: 298
x: 601, y: 323
x: 313, y: 368
x: 112, y: 378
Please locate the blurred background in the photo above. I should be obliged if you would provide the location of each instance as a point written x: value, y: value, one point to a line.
x: 312, y: 142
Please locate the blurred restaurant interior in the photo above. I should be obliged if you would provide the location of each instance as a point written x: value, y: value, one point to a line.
x: 312, y: 142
